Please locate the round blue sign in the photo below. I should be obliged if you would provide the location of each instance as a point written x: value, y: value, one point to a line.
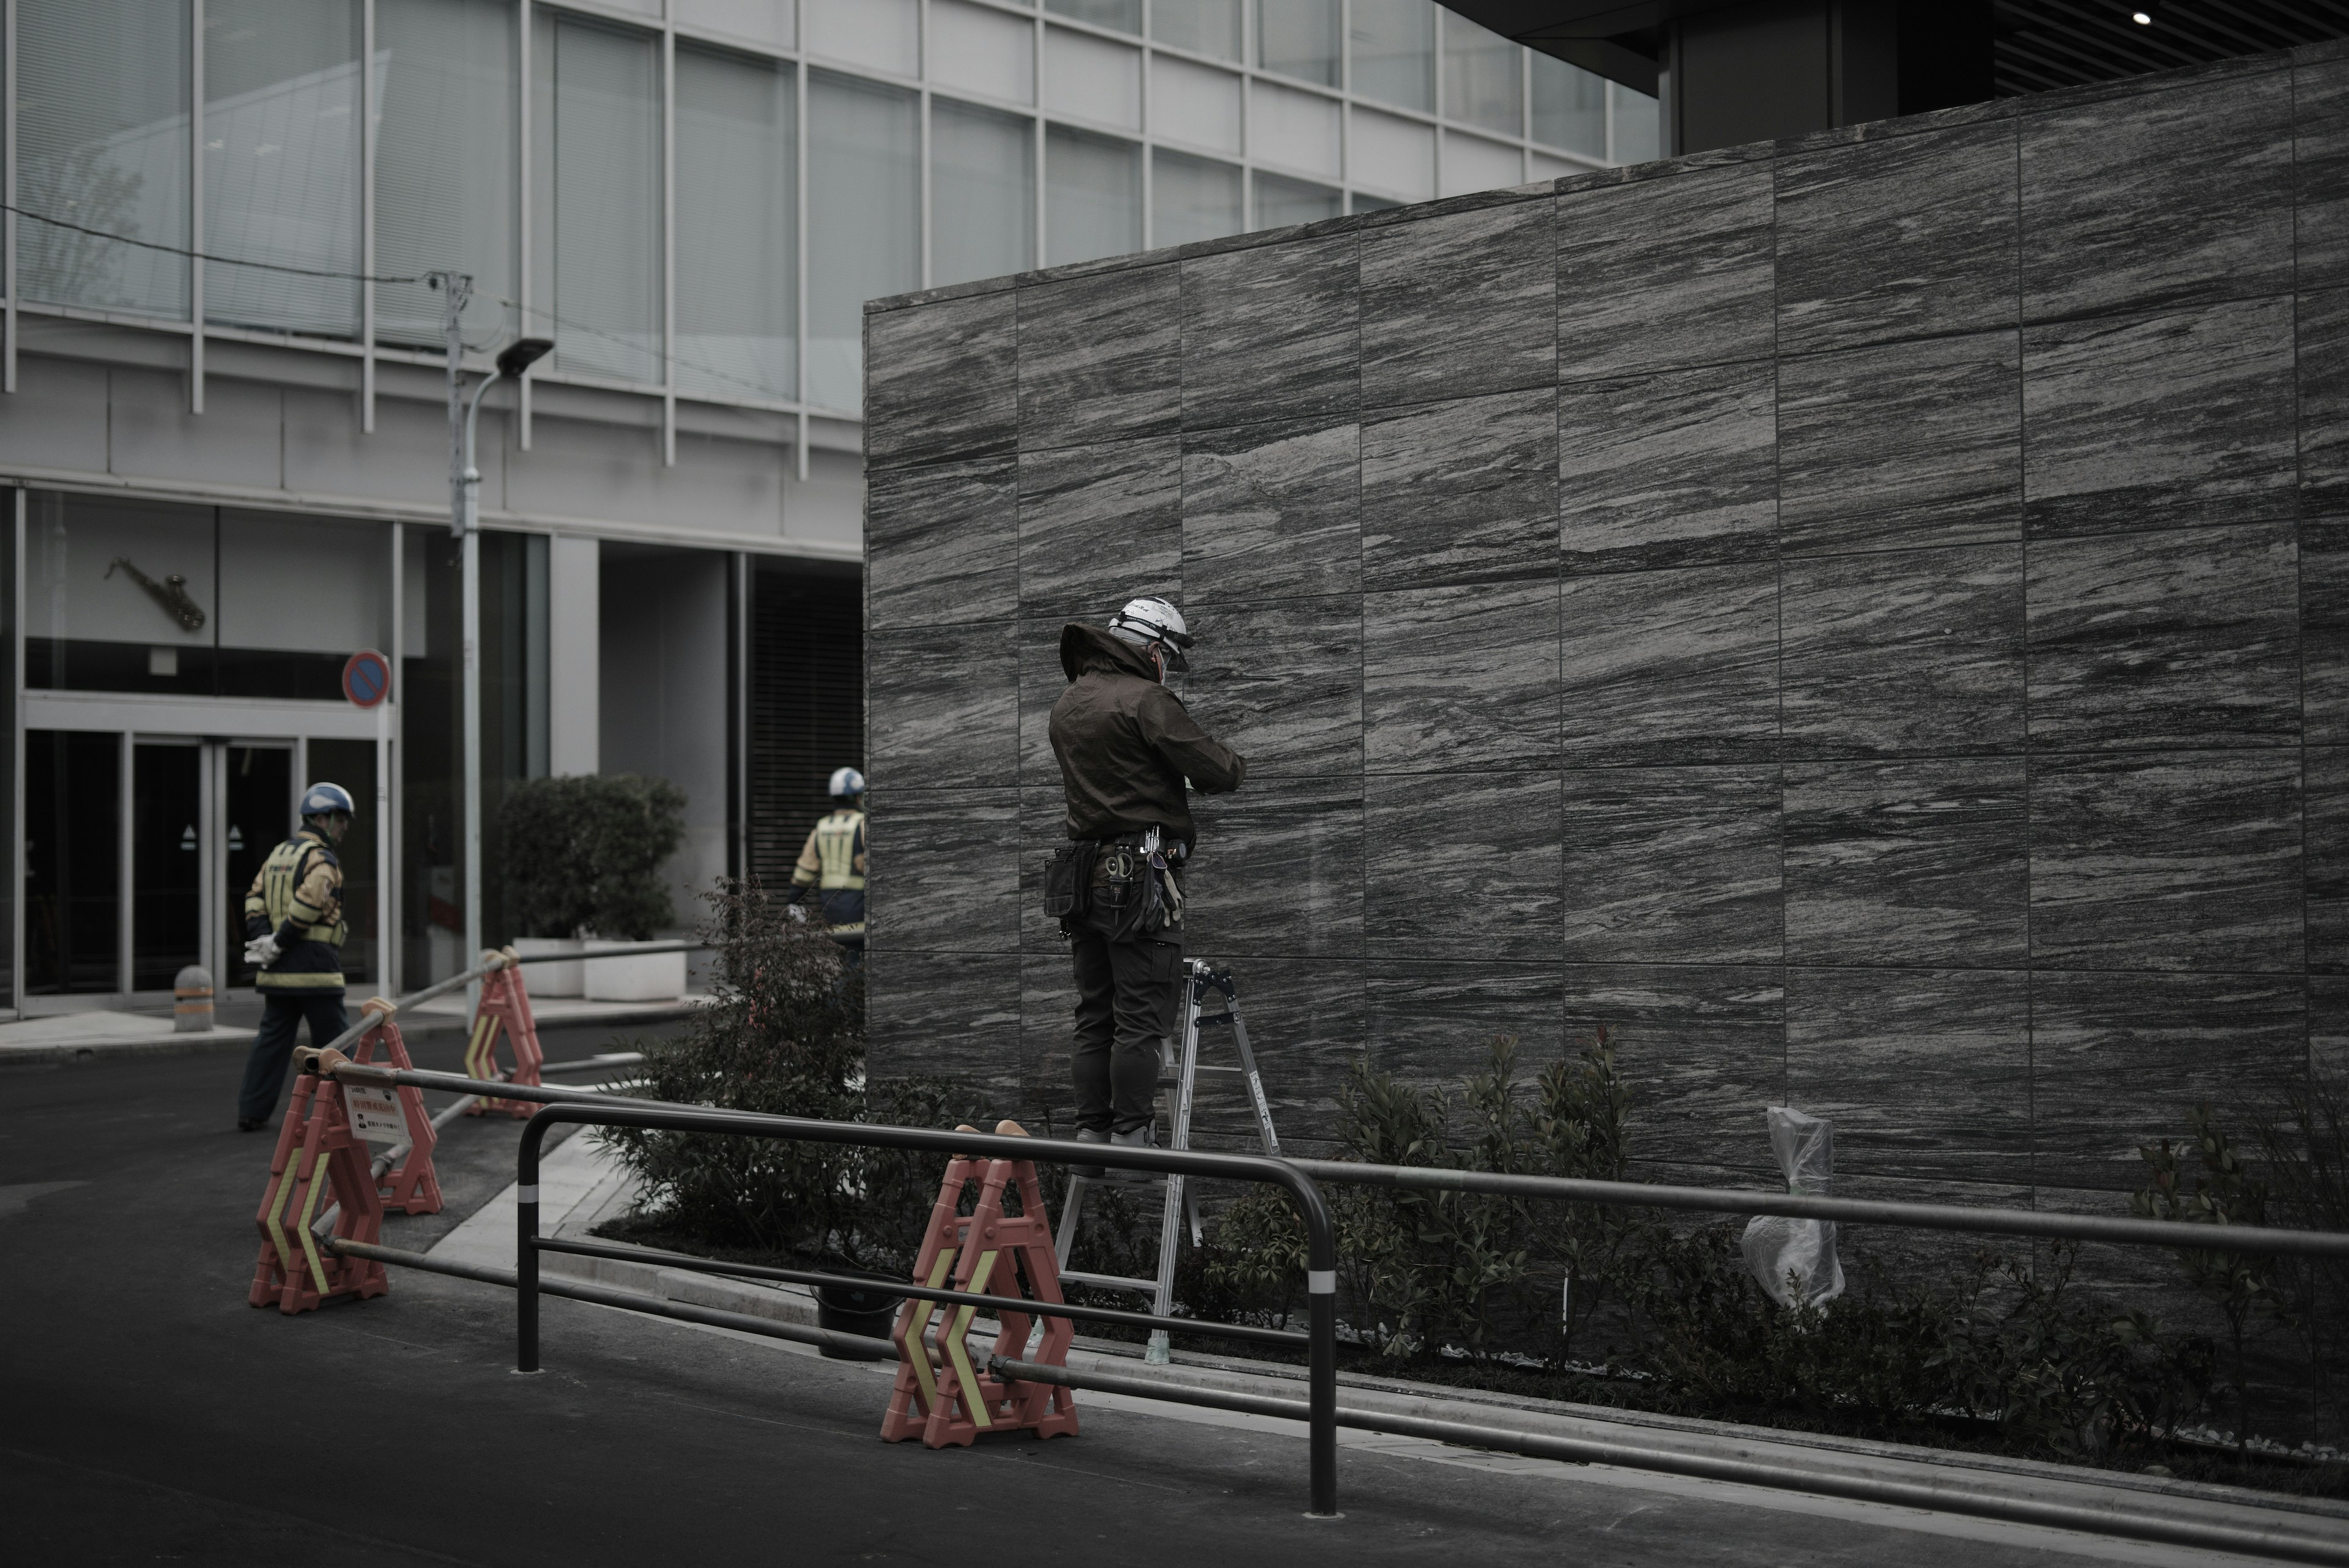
x: 366, y: 678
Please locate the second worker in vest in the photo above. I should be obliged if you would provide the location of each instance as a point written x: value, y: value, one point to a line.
x: 293, y: 931
x: 1128, y: 752
x: 831, y: 863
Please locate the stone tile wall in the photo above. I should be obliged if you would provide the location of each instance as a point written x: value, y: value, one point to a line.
x: 1866, y: 618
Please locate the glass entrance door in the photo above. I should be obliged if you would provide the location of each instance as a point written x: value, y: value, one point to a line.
x: 167, y: 861
x: 258, y: 787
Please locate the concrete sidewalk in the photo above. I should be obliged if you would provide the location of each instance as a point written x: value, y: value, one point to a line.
x: 581, y: 1185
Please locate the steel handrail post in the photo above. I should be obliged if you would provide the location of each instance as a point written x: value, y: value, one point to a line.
x: 1320, y: 1254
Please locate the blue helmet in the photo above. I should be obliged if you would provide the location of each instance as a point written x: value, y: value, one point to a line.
x: 846, y: 784
x: 323, y: 799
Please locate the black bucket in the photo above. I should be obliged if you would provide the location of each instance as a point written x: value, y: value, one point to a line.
x: 869, y: 1311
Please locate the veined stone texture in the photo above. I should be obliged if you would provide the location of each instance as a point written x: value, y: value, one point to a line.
x: 1864, y: 621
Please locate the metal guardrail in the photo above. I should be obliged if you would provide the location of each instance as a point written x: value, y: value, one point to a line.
x: 370, y: 1017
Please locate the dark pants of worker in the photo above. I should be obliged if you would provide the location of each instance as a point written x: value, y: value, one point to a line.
x: 272, y: 1045
x: 1125, y: 1006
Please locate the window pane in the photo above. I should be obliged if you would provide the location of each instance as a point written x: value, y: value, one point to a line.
x: 763, y: 20
x: 102, y: 113
x: 1299, y: 39
x: 1093, y: 197
x: 1362, y: 203
x: 982, y: 192
x: 73, y: 852
x: 882, y: 34
x: 445, y: 185
x: 1205, y: 27
x: 865, y: 221
x: 281, y: 162
x: 737, y: 215
x: 1394, y: 52
x: 1481, y: 85
x: 1569, y: 106
x: 1193, y: 199
x: 1281, y: 202
x: 596, y: 188
x: 1124, y: 15
x: 1638, y: 125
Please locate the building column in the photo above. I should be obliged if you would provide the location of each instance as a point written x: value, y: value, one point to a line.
x: 574, y: 647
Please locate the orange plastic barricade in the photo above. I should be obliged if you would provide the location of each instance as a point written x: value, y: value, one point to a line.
x: 410, y: 1185
x: 505, y: 1010
x: 942, y: 1397
x: 317, y: 1153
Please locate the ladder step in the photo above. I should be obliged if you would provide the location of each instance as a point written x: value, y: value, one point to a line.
x: 1112, y: 1282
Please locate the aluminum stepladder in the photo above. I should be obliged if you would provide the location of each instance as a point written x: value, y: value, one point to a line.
x: 1179, y: 1069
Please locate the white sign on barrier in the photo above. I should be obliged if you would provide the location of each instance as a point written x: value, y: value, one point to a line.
x: 375, y: 1113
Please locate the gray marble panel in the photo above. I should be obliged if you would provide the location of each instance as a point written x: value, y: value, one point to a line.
x: 1272, y: 511
x: 1903, y: 652
x: 1041, y: 681
x: 955, y: 1016
x: 1462, y: 492
x: 1924, y: 1073
x: 1467, y: 870
x: 945, y: 870
x: 1271, y: 332
x: 1890, y: 1260
x: 1281, y: 683
x: 1423, y: 712
x: 1673, y: 866
x: 1043, y: 830
x: 2121, y: 1060
x: 1913, y: 863
x: 1279, y: 870
x: 941, y: 381
x: 2328, y: 857
x: 1704, y: 1049
x: 2185, y: 861
x: 1666, y: 273
x: 1306, y: 1025
x: 2143, y: 421
x: 943, y: 707
x: 1099, y: 357
x: 1952, y: 471
x: 1671, y: 667
x: 2325, y: 629
x: 2328, y: 1030
x: 2321, y: 328
x: 1432, y: 1024
x: 2182, y: 638
x: 1910, y: 236
x: 1459, y: 305
x: 1099, y: 525
x: 1048, y: 1003
x: 2158, y: 199
x: 1676, y: 469
x: 2320, y: 172
x: 941, y: 544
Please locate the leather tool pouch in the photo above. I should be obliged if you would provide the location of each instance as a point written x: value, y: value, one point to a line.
x: 1128, y: 901
x: 1067, y: 883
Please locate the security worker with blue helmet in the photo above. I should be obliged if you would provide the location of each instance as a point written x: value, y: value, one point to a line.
x: 831, y: 863
x: 293, y: 931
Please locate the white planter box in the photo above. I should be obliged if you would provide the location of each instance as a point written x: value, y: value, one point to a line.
x: 650, y: 977
x: 552, y: 979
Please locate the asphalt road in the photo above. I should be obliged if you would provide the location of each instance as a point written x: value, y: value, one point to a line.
x: 152, y: 1416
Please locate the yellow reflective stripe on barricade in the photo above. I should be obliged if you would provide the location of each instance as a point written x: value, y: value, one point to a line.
x: 277, y: 1201
x: 917, y: 1354
x: 310, y: 1242
x: 959, y: 1353
x: 480, y: 1051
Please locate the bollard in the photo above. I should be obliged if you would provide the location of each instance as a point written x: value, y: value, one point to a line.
x: 192, y: 1001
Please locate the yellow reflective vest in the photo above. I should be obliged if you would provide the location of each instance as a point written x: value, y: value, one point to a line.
x: 833, y: 862
x: 298, y: 895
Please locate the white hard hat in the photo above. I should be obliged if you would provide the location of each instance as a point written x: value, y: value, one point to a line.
x: 847, y: 782
x: 1150, y: 619
x: 323, y: 799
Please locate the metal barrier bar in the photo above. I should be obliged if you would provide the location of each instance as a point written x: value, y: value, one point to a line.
x: 368, y: 1019
x: 2170, y: 1233
x: 1321, y: 1248
x: 687, y: 1260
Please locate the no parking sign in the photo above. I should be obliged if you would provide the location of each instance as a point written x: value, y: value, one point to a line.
x: 366, y: 678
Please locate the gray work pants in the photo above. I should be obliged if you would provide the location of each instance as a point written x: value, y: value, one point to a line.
x: 1127, y: 999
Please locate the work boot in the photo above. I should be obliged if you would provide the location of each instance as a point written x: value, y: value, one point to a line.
x: 1089, y: 1135
x: 252, y: 1124
x: 1140, y: 1137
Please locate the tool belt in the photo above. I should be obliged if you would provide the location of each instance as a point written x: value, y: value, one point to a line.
x: 1123, y: 889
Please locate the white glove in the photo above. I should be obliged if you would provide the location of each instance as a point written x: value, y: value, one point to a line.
x: 263, y: 951
x: 794, y: 913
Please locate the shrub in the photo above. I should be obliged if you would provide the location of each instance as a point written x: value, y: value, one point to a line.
x: 584, y: 854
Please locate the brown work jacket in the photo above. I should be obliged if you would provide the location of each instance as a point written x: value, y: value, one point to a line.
x: 1126, y: 745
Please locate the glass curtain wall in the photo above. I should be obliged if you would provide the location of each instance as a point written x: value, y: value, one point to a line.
x: 1125, y: 16
x: 1202, y: 27
x: 446, y: 186
x: 865, y: 221
x: 1093, y: 196
x: 982, y: 192
x: 1281, y: 202
x: 102, y: 142
x: 595, y: 192
x: 737, y: 225
x: 1193, y: 198
x: 1481, y: 84
x: 1569, y: 106
x: 1394, y: 52
x: 282, y: 152
x: 1299, y: 39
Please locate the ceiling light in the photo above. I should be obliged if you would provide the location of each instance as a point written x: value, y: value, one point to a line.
x: 2142, y: 19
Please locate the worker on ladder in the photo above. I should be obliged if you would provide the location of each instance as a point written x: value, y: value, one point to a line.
x: 832, y: 863
x: 294, y: 932
x: 1128, y: 749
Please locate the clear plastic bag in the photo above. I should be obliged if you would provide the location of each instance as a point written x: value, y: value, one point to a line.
x: 1795, y: 1260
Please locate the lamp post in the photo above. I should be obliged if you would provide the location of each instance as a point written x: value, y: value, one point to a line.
x: 465, y: 511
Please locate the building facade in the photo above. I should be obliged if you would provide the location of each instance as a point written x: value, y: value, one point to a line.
x: 225, y: 431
